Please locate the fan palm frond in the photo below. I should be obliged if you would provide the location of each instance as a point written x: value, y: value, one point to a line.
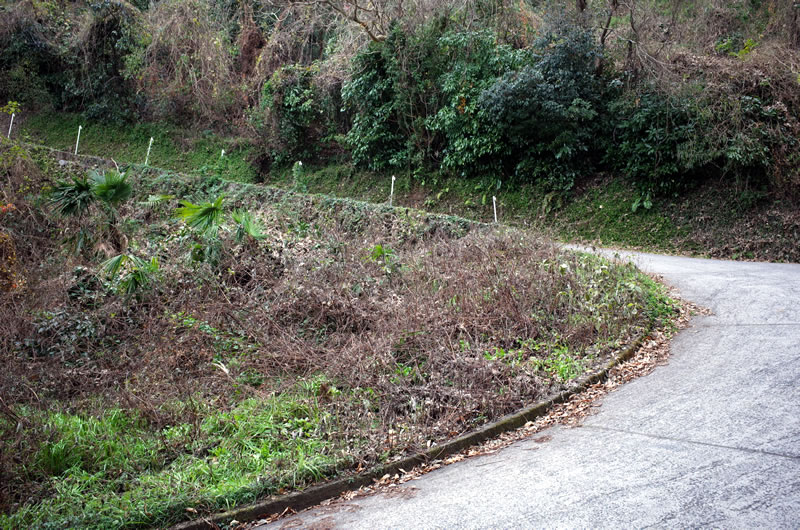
x: 114, y: 265
x: 72, y: 198
x: 140, y: 276
x: 139, y: 272
x: 247, y: 225
x: 205, y: 217
x: 111, y: 187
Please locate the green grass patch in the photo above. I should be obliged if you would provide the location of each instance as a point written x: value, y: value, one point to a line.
x: 115, y: 471
x: 604, y: 215
x: 173, y: 148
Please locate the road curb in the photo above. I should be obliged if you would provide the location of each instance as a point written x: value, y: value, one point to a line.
x: 315, y: 494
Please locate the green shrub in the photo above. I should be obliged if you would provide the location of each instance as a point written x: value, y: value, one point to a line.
x: 289, y: 115
x: 33, y: 43
x: 472, y: 140
x: 73, y: 57
x: 391, y: 94
x: 753, y: 138
x: 103, y: 86
x: 63, y: 333
x: 547, y: 109
x: 659, y: 142
x: 669, y: 143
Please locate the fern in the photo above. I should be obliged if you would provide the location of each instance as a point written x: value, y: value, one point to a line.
x: 154, y: 201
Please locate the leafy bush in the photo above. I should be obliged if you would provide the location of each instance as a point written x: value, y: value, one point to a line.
x: 104, y: 86
x: 63, y: 332
x: 669, y: 143
x: 32, y: 67
x: 71, y: 56
x: 754, y: 138
x: 547, y: 109
x: 659, y: 142
x: 390, y: 81
x: 289, y: 115
x: 474, y: 105
x: 472, y: 139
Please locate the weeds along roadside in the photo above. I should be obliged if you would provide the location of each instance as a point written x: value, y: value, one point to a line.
x: 709, y: 220
x: 278, y: 359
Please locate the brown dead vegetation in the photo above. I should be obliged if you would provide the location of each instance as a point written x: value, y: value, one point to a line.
x: 419, y: 327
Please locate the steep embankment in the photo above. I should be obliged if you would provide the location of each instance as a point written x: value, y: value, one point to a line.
x: 176, y: 345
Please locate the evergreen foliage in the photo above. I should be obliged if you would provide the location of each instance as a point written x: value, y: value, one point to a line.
x: 534, y: 94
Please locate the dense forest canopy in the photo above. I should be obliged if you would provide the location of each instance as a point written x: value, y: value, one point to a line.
x: 666, y: 92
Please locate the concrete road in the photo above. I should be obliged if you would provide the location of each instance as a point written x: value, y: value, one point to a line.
x: 711, y: 439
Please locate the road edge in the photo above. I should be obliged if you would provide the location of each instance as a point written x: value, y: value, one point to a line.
x: 314, y: 495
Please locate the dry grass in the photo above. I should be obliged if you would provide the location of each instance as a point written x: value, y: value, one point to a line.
x: 407, y: 328
x: 654, y: 352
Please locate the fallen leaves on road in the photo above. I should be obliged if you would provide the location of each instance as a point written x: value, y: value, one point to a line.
x: 653, y: 352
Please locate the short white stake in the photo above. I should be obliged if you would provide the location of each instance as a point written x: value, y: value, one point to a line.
x: 391, y: 193
x: 494, y: 207
x: 146, y: 158
x: 223, y: 154
x: 78, y: 140
x: 10, y: 125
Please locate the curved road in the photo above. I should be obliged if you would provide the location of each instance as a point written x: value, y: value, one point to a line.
x: 711, y: 439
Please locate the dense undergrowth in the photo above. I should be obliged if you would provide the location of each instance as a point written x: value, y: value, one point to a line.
x: 535, y: 103
x: 283, y: 339
x: 179, y: 338
x: 670, y: 95
x: 709, y: 220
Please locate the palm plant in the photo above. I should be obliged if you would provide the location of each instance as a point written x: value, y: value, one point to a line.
x: 138, y: 272
x: 112, y: 187
x: 204, y: 217
x: 247, y: 226
x: 75, y: 198
x: 72, y: 198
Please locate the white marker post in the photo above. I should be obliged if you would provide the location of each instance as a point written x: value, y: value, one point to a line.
x: 78, y: 140
x: 10, y: 125
x: 391, y: 193
x: 494, y: 207
x: 146, y: 158
x: 223, y: 154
